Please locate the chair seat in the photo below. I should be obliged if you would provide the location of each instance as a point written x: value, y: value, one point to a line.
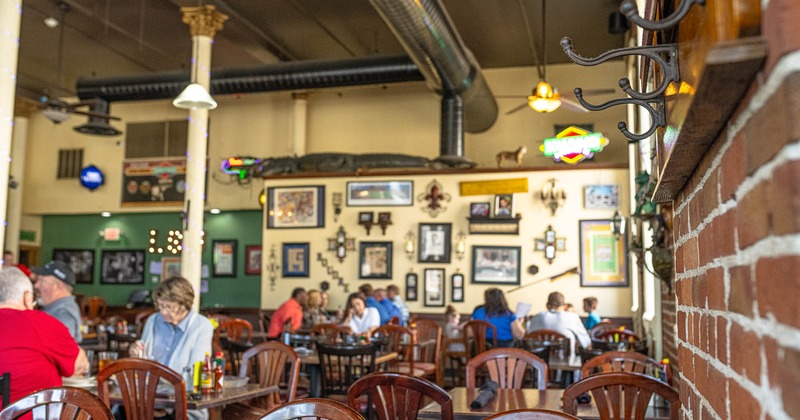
x: 403, y: 367
x: 429, y: 368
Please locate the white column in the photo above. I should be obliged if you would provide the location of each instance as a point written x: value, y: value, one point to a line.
x: 10, y: 14
x: 14, y: 212
x: 299, y: 118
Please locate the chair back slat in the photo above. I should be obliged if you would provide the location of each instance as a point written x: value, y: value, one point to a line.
x: 622, y: 361
x: 508, y: 367
x: 475, y: 336
x: 400, y: 340
x: 343, y: 365
x: 621, y: 395
x: 138, y: 380
x: 271, y: 364
x: 60, y: 403
x: 398, y: 396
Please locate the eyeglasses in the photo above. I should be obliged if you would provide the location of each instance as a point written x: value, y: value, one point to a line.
x: 169, y: 307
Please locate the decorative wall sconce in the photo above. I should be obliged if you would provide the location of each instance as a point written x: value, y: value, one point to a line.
x: 553, y: 196
x: 461, y: 245
x: 550, y: 244
x: 340, y: 244
x: 366, y: 219
x: 272, y: 267
x: 410, y: 244
x: 617, y: 225
x: 262, y: 198
x: 336, y: 200
x: 435, y: 197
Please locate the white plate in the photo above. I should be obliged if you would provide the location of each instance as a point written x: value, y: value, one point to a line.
x: 80, y: 382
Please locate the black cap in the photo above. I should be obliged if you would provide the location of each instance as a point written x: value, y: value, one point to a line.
x: 58, y: 269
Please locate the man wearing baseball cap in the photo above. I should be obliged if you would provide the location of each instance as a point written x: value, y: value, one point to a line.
x: 55, y: 281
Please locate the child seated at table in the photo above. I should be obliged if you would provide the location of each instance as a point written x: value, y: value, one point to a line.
x: 453, y: 328
x: 590, y: 307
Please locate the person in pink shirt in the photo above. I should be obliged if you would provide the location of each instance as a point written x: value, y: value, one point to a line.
x: 290, y: 312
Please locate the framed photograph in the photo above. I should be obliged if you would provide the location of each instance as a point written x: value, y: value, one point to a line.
x: 384, y: 217
x: 80, y: 261
x: 495, y: 264
x: 434, y: 287
x: 295, y: 207
x: 601, y: 196
x: 170, y: 267
x: 457, y: 287
x: 434, y: 242
x: 411, y: 287
x: 603, y: 262
x: 380, y: 193
x: 539, y: 244
x: 252, y: 260
x: 561, y: 244
x: 504, y: 205
x: 295, y: 259
x: 223, y: 258
x: 375, y: 260
x: 479, y: 210
x: 122, y: 267
x: 366, y: 217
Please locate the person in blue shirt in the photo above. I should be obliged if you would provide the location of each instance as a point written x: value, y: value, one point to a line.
x: 495, y: 311
x: 365, y: 290
x: 590, y: 307
x: 391, y: 310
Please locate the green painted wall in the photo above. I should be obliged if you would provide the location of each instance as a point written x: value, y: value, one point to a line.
x: 83, y: 232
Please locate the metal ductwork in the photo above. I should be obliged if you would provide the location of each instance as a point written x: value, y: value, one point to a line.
x: 430, y: 38
x: 298, y: 75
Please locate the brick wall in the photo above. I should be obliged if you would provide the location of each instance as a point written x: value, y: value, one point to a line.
x: 737, y: 248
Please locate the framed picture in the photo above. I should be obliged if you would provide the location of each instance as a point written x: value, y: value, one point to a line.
x: 504, y: 205
x: 380, y: 193
x: 457, y: 287
x: 80, y: 261
x: 366, y: 217
x: 434, y: 287
x: 479, y: 210
x: 495, y: 264
x: 375, y: 260
x: 252, y: 260
x: 603, y: 261
x: 122, y: 267
x: 295, y: 207
x: 223, y: 258
x: 170, y: 267
x: 295, y: 259
x: 411, y: 287
x: 434, y: 242
x: 601, y: 196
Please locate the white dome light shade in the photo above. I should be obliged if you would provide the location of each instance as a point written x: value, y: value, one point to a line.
x: 194, y: 96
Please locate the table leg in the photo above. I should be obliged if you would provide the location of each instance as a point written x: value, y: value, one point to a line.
x: 315, y: 373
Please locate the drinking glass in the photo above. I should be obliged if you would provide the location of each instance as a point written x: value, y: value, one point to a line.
x: 104, y: 358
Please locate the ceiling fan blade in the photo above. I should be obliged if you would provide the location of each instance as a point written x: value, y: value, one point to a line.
x: 572, y: 105
x: 517, y: 108
x: 93, y: 114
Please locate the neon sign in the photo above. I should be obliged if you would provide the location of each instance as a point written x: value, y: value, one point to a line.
x: 238, y: 165
x: 92, y: 177
x: 573, y: 145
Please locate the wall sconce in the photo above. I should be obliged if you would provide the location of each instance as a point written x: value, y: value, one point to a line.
x: 336, y: 200
x: 410, y: 244
x: 461, y: 245
x: 553, y: 196
x: 617, y: 225
x: 340, y: 244
x: 366, y: 219
x: 262, y: 198
x: 550, y: 244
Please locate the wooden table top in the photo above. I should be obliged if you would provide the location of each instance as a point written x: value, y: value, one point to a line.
x: 566, y: 362
x: 228, y: 396
x: 313, y: 358
x: 514, y: 399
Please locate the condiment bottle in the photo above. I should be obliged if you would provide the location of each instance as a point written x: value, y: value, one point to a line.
x: 219, y: 373
x: 207, y: 376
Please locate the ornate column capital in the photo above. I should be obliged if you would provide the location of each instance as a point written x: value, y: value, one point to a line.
x: 203, y: 20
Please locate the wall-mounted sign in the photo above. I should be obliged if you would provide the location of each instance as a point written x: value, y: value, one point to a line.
x: 573, y: 145
x: 160, y: 182
x: 238, y: 165
x: 92, y: 177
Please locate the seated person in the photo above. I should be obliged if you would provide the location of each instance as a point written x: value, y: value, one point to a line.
x: 290, y: 313
x: 312, y: 315
x: 35, y: 348
x: 361, y: 319
x: 393, y: 293
x: 366, y: 293
x: 175, y: 336
x: 495, y: 311
x: 453, y: 329
x: 55, y: 282
x: 556, y: 318
x: 590, y: 307
x: 391, y: 310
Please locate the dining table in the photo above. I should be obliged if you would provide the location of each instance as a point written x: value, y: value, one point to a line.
x: 515, y: 399
x: 311, y: 362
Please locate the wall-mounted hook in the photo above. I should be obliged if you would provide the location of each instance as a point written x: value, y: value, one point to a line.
x: 629, y: 9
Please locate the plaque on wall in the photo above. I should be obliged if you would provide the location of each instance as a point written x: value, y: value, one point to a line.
x: 153, y: 182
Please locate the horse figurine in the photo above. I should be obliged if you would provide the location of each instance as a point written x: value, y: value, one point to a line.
x: 515, y: 156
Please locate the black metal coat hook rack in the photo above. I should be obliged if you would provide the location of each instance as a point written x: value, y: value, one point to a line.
x: 629, y: 9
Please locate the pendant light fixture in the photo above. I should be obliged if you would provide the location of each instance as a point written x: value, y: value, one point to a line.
x: 544, y: 98
x: 195, y: 96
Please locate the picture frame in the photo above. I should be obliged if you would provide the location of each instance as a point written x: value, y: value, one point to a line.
x: 457, y: 287
x: 375, y: 260
x: 380, y: 193
x: 434, y: 243
x: 503, y: 206
x: 295, y: 261
x: 122, y: 266
x: 301, y: 207
x: 411, y: 287
x: 223, y: 258
x: 603, y: 257
x: 496, y: 264
x: 366, y: 217
x: 170, y: 267
x: 480, y: 210
x: 252, y: 260
x: 434, y: 287
x: 601, y: 196
x: 80, y: 261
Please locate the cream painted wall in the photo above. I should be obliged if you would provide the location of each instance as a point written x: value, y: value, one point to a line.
x: 535, y: 218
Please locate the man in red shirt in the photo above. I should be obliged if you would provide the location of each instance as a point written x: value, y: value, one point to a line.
x: 35, y: 348
x: 290, y: 312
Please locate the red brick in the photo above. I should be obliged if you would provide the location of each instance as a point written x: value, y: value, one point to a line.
x: 711, y: 334
x: 715, y: 288
x: 746, y: 359
x: 777, y: 279
x: 686, y: 395
x: 752, y: 216
x: 783, y: 198
x: 723, y: 228
x: 779, y: 19
x: 709, y: 199
x: 705, y: 245
x: 701, y: 374
x: 679, y: 265
x: 732, y: 168
x: 743, y: 405
x: 699, y: 292
x: 717, y: 393
x: 783, y: 367
x: 741, y: 293
x: 686, y: 363
x: 682, y: 325
x: 775, y: 119
x: 690, y: 254
x: 722, y: 340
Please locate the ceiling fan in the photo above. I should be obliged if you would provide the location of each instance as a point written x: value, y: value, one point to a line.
x: 545, y: 98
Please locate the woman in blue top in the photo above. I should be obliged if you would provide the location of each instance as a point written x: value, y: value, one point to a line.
x: 495, y: 311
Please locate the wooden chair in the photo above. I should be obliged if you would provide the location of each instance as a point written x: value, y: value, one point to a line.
x: 120, y: 342
x: 5, y: 389
x: 272, y: 363
x: 531, y: 414
x: 342, y: 365
x: 475, y: 333
x: 313, y: 408
x: 400, y: 340
x: 93, y: 308
x: 58, y: 403
x: 453, y: 360
x: 137, y: 380
x: 597, y: 329
x: 428, y: 350
x: 236, y: 329
x: 398, y: 396
x: 622, y: 361
x: 233, y: 351
x: 508, y: 367
x: 553, y: 343
x: 332, y: 332
x: 621, y: 395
